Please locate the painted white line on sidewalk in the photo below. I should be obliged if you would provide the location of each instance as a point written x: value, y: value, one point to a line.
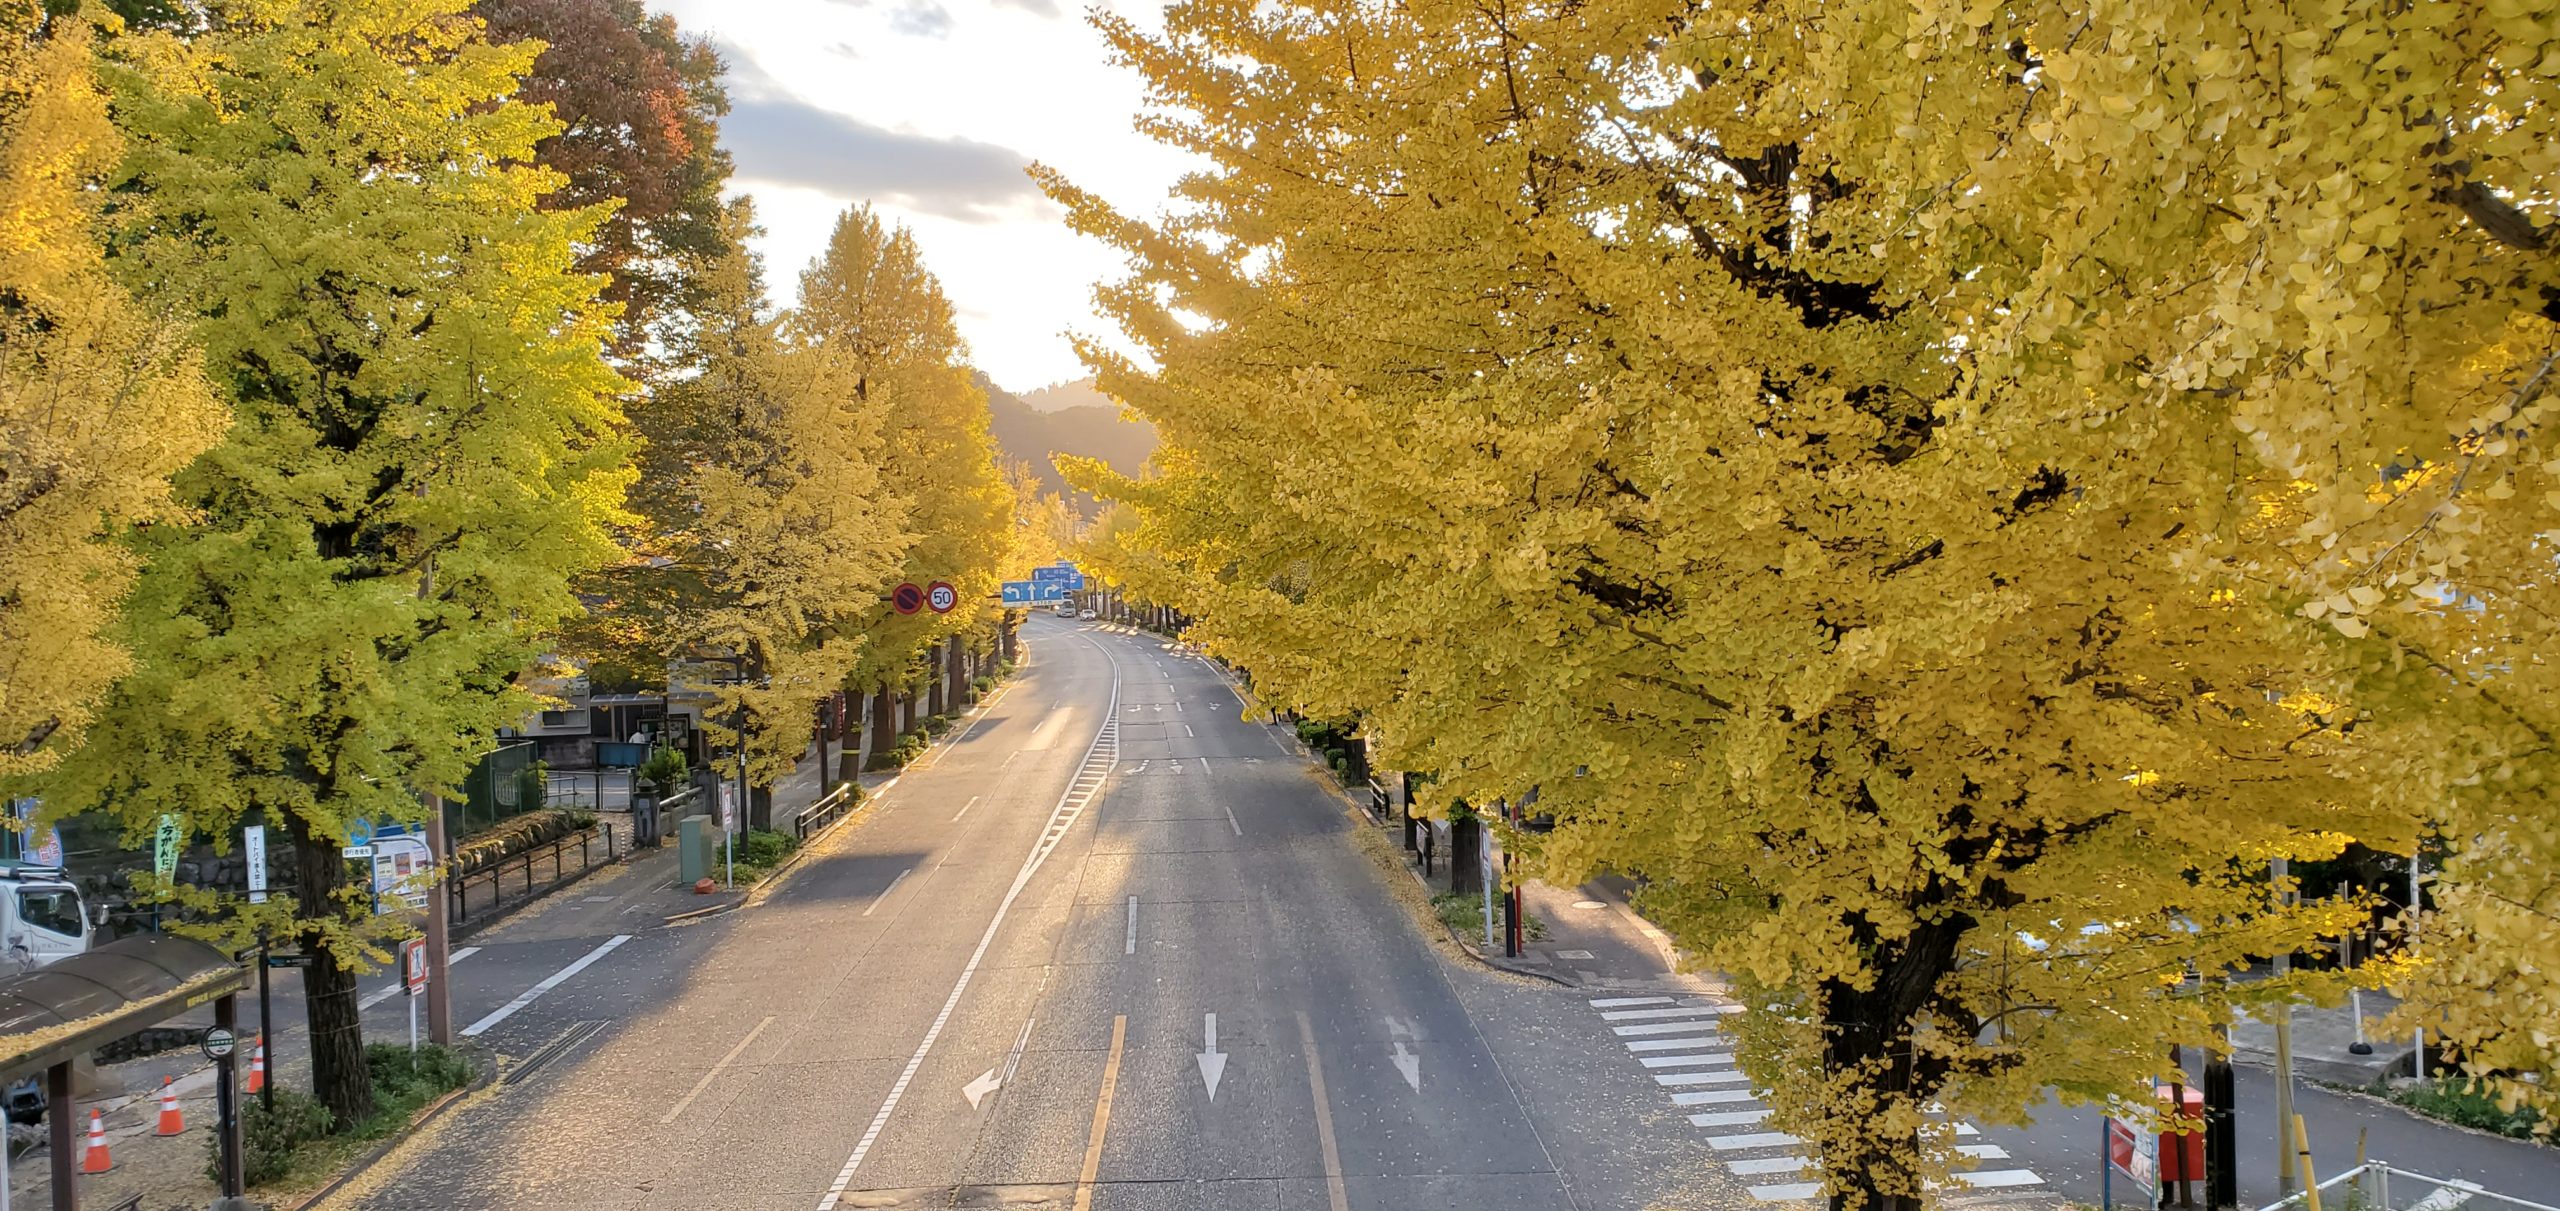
x: 964, y: 809
x: 1623, y: 1002
x: 1676, y: 1044
x: 1671, y: 1080
x: 1231, y: 819
x: 1756, y: 1139
x: 554, y: 980
x: 1730, y: 1118
x: 1787, y: 1193
x: 714, y: 1074
x: 1130, y: 945
x: 1685, y: 1011
x: 1655, y: 1028
x: 1713, y: 1097
x: 1700, y: 1060
x: 386, y: 994
x: 1774, y: 1164
x: 1071, y: 805
x: 883, y: 897
x: 2000, y: 1178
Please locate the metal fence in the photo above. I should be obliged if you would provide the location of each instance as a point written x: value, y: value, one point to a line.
x: 594, y: 789
x: 525, y: 876
x: 2374, y: 1185
x: 829, y: 808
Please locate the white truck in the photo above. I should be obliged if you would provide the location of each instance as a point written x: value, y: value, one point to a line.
x: 42, y: 920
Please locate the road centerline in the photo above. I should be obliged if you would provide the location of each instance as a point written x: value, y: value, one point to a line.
x: 1101, y: 1115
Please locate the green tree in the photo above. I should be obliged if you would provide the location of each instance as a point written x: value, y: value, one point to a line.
x: 422, y: 452
x: 100, y: 399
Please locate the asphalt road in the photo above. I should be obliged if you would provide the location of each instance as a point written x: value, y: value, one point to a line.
x: 997, y: 989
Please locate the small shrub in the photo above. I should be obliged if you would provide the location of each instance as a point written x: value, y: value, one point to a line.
x: 1311, y: 731
x: 269, y: 1138
x: 761, y: 847
x: 666, y: 767
x: 2463, y: 1104
x: 937, y: 725
x: 980, y: 685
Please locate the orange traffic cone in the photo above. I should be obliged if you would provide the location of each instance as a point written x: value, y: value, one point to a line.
x: 258, y: 1067
x: 96, y: 1160
x: 172, y: 1122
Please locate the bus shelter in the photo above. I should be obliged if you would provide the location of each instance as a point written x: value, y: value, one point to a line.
x: 53, y: 1015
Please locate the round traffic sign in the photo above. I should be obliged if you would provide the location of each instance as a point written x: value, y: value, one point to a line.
x: 942, y: 596
x: 907, y: 598
x: 359, y: 831
x: 219, y: 1042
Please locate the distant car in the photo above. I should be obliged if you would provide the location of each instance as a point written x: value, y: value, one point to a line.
x: 1088, y: 615
x: 1065, y: 610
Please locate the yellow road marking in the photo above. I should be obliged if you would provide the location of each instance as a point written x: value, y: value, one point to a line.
x: 1102, y: 1117
x: 1340, y: 1198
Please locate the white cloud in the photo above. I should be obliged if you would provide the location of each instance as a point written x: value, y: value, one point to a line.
x: 847, y: 101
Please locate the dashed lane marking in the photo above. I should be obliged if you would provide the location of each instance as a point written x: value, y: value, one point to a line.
x: 554, y: 980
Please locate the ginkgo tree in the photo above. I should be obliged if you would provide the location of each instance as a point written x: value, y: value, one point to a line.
x: 1691, y: 415
x: 423, y: 451
x: 100, y: 398
x: 877, y: 319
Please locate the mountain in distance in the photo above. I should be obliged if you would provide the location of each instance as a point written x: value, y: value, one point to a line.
x: 1071, y: 418
x: 1058, y: 397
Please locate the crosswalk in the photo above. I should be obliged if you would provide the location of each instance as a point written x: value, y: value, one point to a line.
x: 1681, y: 1044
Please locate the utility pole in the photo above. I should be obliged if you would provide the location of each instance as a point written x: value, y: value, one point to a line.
x: 729, y: 833
x: 2285, y: 1143
x: 2221, y: 1126
x: 439, y: 944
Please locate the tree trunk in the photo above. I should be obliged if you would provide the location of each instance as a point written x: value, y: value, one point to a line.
x: 1466, y: 853
x: 1871, y: 1030
x: 959, y: 666
x: 934, y: 704
x: 884, y: 721
x: 339, y: 1077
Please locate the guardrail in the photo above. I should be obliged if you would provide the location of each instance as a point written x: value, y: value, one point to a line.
x: 827, y: 810
x: 2418, y: 1192
x: 521, y: 877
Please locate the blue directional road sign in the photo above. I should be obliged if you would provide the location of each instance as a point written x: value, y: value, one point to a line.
x: 1033, y: 592
x: 1045, y: 575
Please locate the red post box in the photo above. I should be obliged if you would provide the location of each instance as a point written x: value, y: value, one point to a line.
x: 2182, y: 1152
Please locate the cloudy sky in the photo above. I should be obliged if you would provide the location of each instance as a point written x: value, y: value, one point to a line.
x: 930, y: 110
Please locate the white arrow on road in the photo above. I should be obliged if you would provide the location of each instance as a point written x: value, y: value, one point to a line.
x: 1410, y: 1065
x: 990, y: 1080
x: 1213, y: 1062
x: 977, y: 1090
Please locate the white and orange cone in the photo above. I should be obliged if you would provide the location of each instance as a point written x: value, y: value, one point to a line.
x: 172, y: 1121
x: 96, y: 1160
x: 258, y: 1068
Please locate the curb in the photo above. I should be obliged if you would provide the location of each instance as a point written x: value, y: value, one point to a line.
x: 486, y: 1073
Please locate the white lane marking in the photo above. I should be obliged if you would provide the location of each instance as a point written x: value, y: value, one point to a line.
x: 714, y: 1074
x: 1071, y: 805
x: 1008, y: 760
x: 386, y: 994
x: 1730, y: 1118
x: 1129, y: 945
x: 964, y: 809
x: 1774, y: 1164
x: 1787, y: 1192
x: 1713, y: 1097
x: 1177, y: 705
x: 1673, y: 1080
x: 1999, y: 1178
x: 1623, y: 1002
x: 878, y: 900
x: 1686, y: 1011
x: 1984, y: 1152
x: 1204, y: 767
x: 1688, y: 1061
x: 1409, y: 1064
x: 1213, y: 1062
x: 1756, y: 1139
x: 977, y: 716
x: 554, y: 980
x: 1231, y: 819
x: 1675, y: 1044
x: 1654, y: 1028
x: 1186, y: 730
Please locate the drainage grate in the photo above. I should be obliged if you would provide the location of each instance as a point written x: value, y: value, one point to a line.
x: 567, y: 1041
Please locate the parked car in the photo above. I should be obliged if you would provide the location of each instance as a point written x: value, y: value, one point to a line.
x: 1088, y: 616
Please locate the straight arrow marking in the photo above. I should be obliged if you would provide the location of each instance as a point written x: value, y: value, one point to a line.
x: 1410, y: 1065
x: 1213, y: 1062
